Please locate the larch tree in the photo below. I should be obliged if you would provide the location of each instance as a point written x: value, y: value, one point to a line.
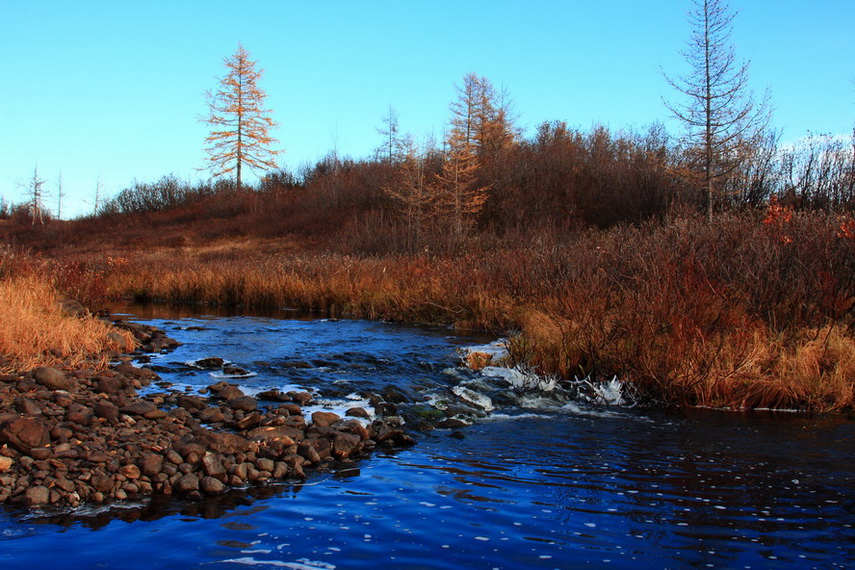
x: 240, y: 124
x: 409, y: 188
x: 723, y: 121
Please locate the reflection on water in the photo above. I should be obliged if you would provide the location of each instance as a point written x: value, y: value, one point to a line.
x: 553, y: 488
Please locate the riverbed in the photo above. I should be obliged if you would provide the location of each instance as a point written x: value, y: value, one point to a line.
x: 537, y: 480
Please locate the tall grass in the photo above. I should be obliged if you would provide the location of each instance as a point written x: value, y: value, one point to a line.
x: 745, y: 312
x: 36, y: 332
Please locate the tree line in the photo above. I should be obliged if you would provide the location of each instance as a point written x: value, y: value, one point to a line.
x: 485, y: 175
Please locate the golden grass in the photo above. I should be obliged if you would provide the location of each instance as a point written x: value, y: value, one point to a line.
x: 35, y: 331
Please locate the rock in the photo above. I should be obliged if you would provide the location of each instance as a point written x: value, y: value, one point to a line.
x: 132, y: 371
x: 101, y: 483
x: 249, y: 421
x: 211, y: 415
x: 230, y: 393
x: 358, y: 413
x: 398, y: 395
x: 212, y: 486
x: 352, y: 426
x: 152, y: 464
x: 26, y: 406
x: 274, y: 396
x: 345, y: 444
x: 212, y: 463
x: 244, y: 403
x: 300, y: 398
x: 51, y: 378
x: 235, y: 371
x: 308, y: 452
x: 106, y: 410
x: 225, y: 443
x: 324, y: 419
x: 130, y: 471
x: 25, y: 434
x: 192, y: 403
x: 187, y: 483
x: 140, y: 408
x: 211, y: 363
x: 37, y: 496
x: 265, y: 464
x: 451, y: 423
x: 121, y: 342
x: 72, y: 308
x: 109, y: 384
x: 292, y: 408
x: 5, y: 463
x: 267, y: 433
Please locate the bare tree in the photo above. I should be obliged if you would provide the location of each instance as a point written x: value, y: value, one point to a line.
x: 60, y: 194
x: 239, y: 122
x: 723, y: 120
x: 35, y: 191
x: 390, y: 149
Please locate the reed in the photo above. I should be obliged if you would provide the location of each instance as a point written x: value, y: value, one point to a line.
x: 36, y: 332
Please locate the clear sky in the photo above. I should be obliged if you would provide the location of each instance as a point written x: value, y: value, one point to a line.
x: 112, y: 89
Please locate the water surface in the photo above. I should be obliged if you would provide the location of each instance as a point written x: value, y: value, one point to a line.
x: 557, y: 484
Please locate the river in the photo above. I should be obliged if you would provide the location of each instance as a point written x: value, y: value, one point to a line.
x: 538, y: 480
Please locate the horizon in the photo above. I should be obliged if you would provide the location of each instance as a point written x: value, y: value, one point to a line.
x: 111, y: 91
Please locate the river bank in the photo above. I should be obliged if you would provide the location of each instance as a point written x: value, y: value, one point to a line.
x: 69, y: 437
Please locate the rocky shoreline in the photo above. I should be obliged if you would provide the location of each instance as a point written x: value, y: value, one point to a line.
x: 77, y: 437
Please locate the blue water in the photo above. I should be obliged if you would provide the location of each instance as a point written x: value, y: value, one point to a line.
x: 552, y: 486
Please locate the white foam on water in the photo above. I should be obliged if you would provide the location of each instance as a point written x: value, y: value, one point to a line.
x: 521, y: 378
x: 497, y: 350
x: 300, y: 564
x: 474, y: 398
x: 224, y: 376
x: 611, y: 392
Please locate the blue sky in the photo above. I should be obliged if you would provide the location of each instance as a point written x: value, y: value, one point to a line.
x: 113, y: 89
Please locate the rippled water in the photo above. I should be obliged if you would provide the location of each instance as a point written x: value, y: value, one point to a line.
x: 554, y: 486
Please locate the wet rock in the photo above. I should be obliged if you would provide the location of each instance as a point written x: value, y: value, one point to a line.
x: 187, y: 483
x: 309, y: 453
x: 211, y: 363
x: 211, y: 415
x: 37, y: 496
x: 138, y: 373
x: 345, y: 445
x: 231, y: 392
x: 249, y: 421
x: 212, y: 463
x: 51, y: 378
x: 451, y: 423
x: 192, y: 403
x: 235, y: 371
x: 324, y: 419
x: 25, y: 434
x: 274, y: 396
x: 268, y: 433
x: 244, y: 403
x: 212, y: 486
x: 292, y: 408
x: 358, y: 413
x: 300, y: 398
x: 5, y: 463
x: 352, y: 426
x: 398, y: 395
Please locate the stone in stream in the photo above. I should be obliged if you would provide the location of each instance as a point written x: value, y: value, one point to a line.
x: 324, y: 419
x: 211, y: 363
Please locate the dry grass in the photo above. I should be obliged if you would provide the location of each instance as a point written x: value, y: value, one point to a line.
x: 36, y: 332
x: 724, y: 314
